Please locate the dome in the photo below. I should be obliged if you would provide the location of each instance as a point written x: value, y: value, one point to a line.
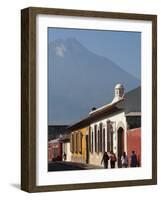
x: 119, y: 92
x: 118, y: 86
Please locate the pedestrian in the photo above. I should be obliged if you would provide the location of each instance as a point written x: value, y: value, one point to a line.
x: 133, y: 160
x: 64, y: 156
x: 124, y: 160
x: 112, y: 159
x: 105, y: 159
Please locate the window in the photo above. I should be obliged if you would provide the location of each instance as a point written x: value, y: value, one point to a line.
x: 89, y: 139
x: 80, y: 142
x: 92, y: 142
x: 95, y: 137
x: 103, y: 140
x: 75, y: 142
x: 108, y: 137
x: 98, y: 141
x: 100, y: 138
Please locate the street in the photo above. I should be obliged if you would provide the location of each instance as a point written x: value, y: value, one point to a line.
x: 65, y: 166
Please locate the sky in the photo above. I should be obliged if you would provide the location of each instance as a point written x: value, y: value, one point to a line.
x: 124, y: 48
x: 65, y: 103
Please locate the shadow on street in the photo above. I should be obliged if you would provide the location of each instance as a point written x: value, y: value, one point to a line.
x: 65, y: 166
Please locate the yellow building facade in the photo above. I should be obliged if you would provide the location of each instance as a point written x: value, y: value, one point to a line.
x: 79, y: 145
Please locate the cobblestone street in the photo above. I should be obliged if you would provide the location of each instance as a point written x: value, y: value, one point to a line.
x: 65, y: 166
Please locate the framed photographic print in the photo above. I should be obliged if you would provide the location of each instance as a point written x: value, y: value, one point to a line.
x: 88, y: 99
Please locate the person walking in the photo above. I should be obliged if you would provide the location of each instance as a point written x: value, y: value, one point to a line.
x: 124, y: 160
x: 133, y: 160
x: 64, y: 156
x: 105, y: 159
x: 112, y: 159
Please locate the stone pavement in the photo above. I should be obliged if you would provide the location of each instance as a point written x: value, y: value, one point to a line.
x: 66, y: 165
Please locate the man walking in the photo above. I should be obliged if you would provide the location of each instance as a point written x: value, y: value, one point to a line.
x: 133, y: 160
x: 105, y: 160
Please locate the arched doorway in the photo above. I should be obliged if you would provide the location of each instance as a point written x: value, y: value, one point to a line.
x: 120, y: 144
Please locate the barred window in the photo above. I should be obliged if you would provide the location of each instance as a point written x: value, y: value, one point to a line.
x: 103, y: 140
x: 92, y: 142
x: 89, y: 139
x: 71, y: 142
x: 75, y: 142
x: 80, y: 142
x: 111, y: 134
x: 108, y: 137
x: 95, y: 137
x: 100, y: 138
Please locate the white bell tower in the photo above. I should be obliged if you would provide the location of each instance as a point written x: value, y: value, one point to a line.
x: 119, y: 92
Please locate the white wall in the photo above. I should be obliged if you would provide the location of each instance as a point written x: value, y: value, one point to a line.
x: 66, y: 149
x: 117, y: 118
x: 10, y: 98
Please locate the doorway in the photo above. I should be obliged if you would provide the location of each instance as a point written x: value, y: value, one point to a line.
x: 120, y: 145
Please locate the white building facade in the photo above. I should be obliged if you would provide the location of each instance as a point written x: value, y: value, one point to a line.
x: 66, y: 153
x: 108, y: 133
x: 66, y: 150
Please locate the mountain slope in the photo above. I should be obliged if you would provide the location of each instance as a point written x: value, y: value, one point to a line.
x: 79, y: 80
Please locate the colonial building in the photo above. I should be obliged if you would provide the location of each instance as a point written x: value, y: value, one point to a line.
x: 66, y: 153
x: 79, y: 143
x: 109, y: 132
x: 55, y: 142
x: 134, y: 143
x: 55, y: 150
x: 107, y: 127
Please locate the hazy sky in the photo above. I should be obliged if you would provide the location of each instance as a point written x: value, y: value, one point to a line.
x: 123, y: 48
x: 68, y: 61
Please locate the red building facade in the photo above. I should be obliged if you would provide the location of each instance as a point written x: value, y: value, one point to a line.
x: 134, y: 143
x: 54, y: 150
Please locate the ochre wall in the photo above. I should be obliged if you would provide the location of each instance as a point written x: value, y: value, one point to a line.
x: 77, y: 156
